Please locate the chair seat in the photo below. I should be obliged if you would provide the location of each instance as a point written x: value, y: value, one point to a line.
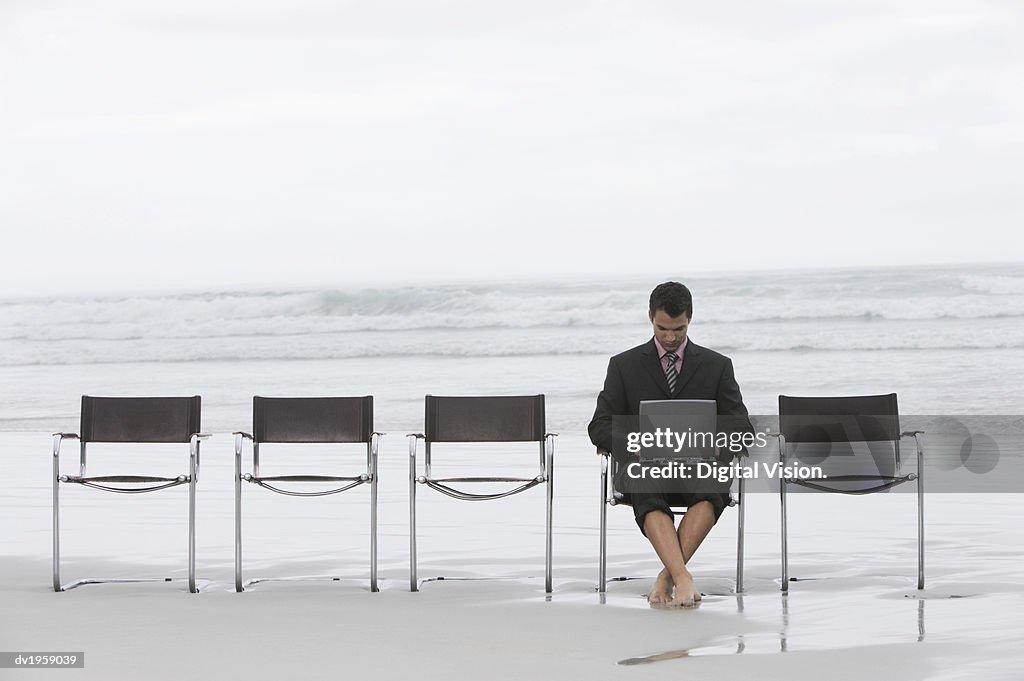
x: 306, y: 478
x: 110, y: 483
x: 122, y: 478
x: 674, y: 501
x: 482, y: 479
x: 351, y: 480
x: 884, y: 483
x: 442, y: 485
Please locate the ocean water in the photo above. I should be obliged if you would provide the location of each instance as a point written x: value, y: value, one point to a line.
x: 947, y: 339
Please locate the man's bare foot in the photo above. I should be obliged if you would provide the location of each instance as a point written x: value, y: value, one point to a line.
x: 686, y: 596
x: 661, y: 592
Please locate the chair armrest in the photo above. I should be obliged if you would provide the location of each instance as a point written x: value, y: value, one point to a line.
x: 193, y: 453
x: 60, y: 437
x: 918, y: 442
x: 413, y: 439
x: 239, y: 437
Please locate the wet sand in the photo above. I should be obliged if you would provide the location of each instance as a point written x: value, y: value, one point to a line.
x: 854, y: 611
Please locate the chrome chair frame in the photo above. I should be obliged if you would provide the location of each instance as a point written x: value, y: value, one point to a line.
x: 884, y: 482
x: 370, y: 476
x: 611, y: 497
x: 115, y: 483
x: 545, y: 475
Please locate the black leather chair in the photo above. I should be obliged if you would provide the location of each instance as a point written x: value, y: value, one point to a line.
x: 480, y: 420
x: 136, y: 421
x: 855, y: 442
x: 306, y: 420
x: 694, y: 412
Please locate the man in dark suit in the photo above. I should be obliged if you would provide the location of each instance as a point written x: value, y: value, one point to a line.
x: 669, y: 366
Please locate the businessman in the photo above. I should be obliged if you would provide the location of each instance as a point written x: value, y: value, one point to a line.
x: 669, y: 366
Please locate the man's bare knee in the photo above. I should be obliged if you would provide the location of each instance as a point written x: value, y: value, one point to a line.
x: 702, y: 510
x: 657, y: 516
x: 703, y: 506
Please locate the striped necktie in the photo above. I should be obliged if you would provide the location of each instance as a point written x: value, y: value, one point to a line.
x: 670, y: 371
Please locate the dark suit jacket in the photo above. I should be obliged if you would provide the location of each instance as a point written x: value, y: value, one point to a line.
x: 636, y: 375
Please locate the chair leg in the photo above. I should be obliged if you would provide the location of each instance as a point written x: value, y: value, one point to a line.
x: 550, y: 493
x: 413, y: 585
x: 373, y: 529
x: 920, y: 516
x: 740, y: 503
x: 192, y: 533
x: 785, y: 556
x: 603, y: 558
x: 56, y: 515
x: 920, y: 539
x: 238, y: 519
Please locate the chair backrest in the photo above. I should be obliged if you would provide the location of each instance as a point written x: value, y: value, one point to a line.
x: 864, y: 418
x: 844, y: 436
x: 312, y: 419
x: 485, y: 419
x: 139, y: 419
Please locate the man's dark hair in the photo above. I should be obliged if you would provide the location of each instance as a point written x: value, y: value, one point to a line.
x: 673, y: 298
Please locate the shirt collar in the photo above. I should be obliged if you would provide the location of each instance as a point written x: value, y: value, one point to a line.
x: 662, y: 351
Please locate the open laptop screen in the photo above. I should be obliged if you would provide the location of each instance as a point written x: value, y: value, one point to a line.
x: 680, y: 430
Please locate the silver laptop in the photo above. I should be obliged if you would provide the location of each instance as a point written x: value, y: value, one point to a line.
x: 689, y: 429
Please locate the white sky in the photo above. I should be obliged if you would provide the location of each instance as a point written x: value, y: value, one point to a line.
x: 191, y: 144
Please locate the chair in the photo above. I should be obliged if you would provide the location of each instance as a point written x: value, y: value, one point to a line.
x: 681, y: 414
x: 610, y: 496
x: 136, y: 420
x: 307, y: 420
x: 481, y: 420
x: 832, y: 433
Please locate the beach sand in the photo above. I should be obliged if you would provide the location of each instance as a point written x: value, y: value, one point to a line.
x: 853, y: 613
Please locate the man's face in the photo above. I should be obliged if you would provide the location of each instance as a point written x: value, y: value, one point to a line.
x: 670, y: 331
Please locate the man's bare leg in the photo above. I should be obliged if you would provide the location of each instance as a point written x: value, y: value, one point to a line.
x: 694, y: 526
x: 661, y: 532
